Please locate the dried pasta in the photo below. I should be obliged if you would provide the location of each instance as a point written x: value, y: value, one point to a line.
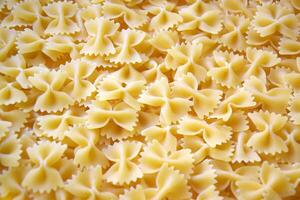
x: 149, y: 99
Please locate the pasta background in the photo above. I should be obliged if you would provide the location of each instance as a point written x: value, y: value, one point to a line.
x: 149, y: 99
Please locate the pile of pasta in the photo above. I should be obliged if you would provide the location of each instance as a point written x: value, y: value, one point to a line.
x: 149, y: 100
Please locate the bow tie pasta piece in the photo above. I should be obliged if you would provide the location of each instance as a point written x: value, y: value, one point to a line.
x: 227, y: 68
x: 43, y: 177
x: 268, y: 125
x: 260, y: 59
x: 79, y: 71
x: 294, y: 108
x: 272, y: 18
x: 27, y: 13
x: 164, y: 135
x: 127, y: 41
x: 10, y: 151
x: 56, y: 125
x: 201, y: 16
x: 11, y: 93
x: 242, y: 152
x: 116, y: 121
x: 204, y: 100
x: 91, y: 177
x: 7, y: 41
x: 61, y: 14
x: 170, y: 184
x: 124, y: 169
x: 164, y: 40
x: 16, y: 68
x: 100, y: 30
x: 201, y: 150
x: 155, y: 156
x: 186, y: 58
x: 87, y: 153
x: 293, y: 144
x: 164, y: 16
x: 101, y: 112
x: 274, y: 100
x: 272, y: 184
x: 29, y: 41
x: 289, y: 47
x: 234, y: 33
x: 213, y: 133
x: 14, y: 119
x: 239, y: 99
x: 203, y: 181
x: 10, y: 182
x: 158, y: 94
x: 60, y: 46
x: 50, y: 84
x: 134, y: 18
x: 125, y: 84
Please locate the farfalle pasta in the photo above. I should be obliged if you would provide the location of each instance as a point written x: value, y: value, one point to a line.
x: 149, y: 100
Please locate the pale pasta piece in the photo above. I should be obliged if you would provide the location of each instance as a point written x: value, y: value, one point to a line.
x: 50, y: 84
x: 16, y: 119
x: 200, y: 15
x: 27, y: 13
x: 268, y: 125
x: 99, y: 30
x: 260, y: 59
x: 79, y: 71
x: 164, y: 18
x: 43, y: 177
x: 134, y: 18
x: 59, y: 46
x: 11, y: 93
x: 274, y: 100
x: 271, y: 18
x: 158, y: 94
x: 61, y: 14
x: 128, y: 88
x: 289, y: 47
x: 80, y: 185
x: 29, y: 41
x: 239, y: 6
x: 212, y: 133
x: 127, y: 41
x: 203, y: 181
x: 164, y: 135
x: 204, y: 100
x: 155, y: 156
x: 15, y: 67
x: 239, y: 99
x: 293, y: 80
x: 10, y: 151
x: 170, y: 184
x: 294, y: 108
x: 164, y: 40
x: 124, y: 169
x: 202, y: 150
x: 100, y: 113
x: 227, y: 68
x: 238, y: 121
x: 10, y: 182
x: 293, y: 145
x: 56, y: 125
x: 186, y: 58
x: 242, y: 152
x: 272, y: 184
x: 86, y: 152
x: 7, y: 38
x: 234, y: 33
